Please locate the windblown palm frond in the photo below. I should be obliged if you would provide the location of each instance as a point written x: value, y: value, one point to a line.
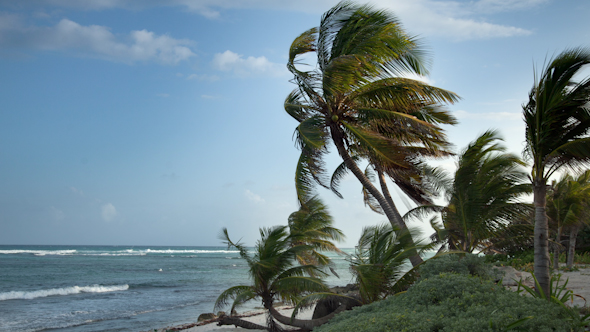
x: 357, y: 98
x: 381, y: 259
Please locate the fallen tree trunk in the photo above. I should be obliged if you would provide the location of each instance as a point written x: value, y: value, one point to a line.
x: 238, y: 322
x: 303, y: 323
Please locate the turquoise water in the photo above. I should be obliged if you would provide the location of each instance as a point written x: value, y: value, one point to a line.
x: 117, y: 288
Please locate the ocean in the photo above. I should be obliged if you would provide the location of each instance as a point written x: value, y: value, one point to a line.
x: 118, y: 288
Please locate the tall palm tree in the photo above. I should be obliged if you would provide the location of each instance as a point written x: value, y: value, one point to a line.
x: 356, y: 99
x: 483, y: 198
x: 275, y: 277
x: 557, y: 122
x: 311, y: 225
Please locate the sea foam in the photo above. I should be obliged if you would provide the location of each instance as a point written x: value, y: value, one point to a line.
x: 38, y: 252
x: 14, y: 295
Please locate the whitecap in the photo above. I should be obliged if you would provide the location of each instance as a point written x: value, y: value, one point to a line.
x: 28, y: 295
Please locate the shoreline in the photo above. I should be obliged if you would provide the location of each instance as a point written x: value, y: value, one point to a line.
x: 257, y: 317
x: 578, y: 282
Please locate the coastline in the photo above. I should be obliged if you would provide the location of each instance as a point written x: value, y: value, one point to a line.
x: 257, y: 317
x: 578, y: 282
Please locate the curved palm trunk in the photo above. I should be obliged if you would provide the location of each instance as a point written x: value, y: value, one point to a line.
x: 415, y: 259
x: 238, y: 322
x: 541, y: 238
x: 571, y: 253
x: 557, y: 248
x: 392, y: 214
x: 301, y: 323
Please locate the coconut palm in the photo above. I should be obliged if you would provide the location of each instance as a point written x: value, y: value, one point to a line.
x: 557, y: 122
x: 275, y: 277
x: 356, y: 98
x: 311, y: 225
x: 568, y: 202
x: 483, y: 198
x: 381, y: 260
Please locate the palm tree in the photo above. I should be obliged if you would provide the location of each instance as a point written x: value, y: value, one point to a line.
x: 557, y: 122
x: 356, y: 99
x: 275, y: 277
x: 380, y: 262
x: 568, y: 201
x: 311, y: 225
x: 483, y: 198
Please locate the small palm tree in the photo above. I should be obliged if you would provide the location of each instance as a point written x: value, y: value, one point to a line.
x: 357, y: 99
x: 483, y: 196
x: 311, y: 225
x: 275, y: 277
x: 568, y: 202
x: 381, y: 262
x: 557, y: 121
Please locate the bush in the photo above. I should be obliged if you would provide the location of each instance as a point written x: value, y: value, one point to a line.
x: 461, y: 264
x: 523, y: 261
x: 453, y: 302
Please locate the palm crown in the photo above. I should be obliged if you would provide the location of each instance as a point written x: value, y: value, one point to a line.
x: 354, y: 98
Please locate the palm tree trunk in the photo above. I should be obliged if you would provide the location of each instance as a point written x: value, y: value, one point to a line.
x: 392, y: 214
x: 237, y: 322
x: 415, y: 259
x: 572, y: 245
x: 541, y: 264
x: 301, y: 323
x: 557, y: 248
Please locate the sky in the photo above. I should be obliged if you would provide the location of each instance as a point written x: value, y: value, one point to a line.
x: 128, y: 122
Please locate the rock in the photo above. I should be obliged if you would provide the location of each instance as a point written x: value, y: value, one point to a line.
x: 221, y: 313
x: 512, y: 276
x: 206, y: 316
x: 329, y: 304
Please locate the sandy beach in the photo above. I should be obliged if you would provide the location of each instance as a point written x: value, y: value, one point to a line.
x: 579, y: 283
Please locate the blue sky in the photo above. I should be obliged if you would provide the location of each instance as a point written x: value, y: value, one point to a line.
x: 127, y: 122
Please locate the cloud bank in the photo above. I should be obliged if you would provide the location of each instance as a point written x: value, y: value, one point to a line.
x: 94, y: 41
x: 454, y: 20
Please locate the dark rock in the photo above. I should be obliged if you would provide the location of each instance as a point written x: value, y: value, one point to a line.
x: 206, y: 316
x: 329, y: 304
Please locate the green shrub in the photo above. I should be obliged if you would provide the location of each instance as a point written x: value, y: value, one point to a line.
x: 453, y: 302
x: 461, y: 264
x: 522, y: 261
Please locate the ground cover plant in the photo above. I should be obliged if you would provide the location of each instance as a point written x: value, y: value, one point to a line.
x: 455, y: 302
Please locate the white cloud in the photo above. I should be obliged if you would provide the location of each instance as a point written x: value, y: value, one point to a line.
x: 108, y: 212
x: 493, y: 116
x: 209, y: 97
x: 94, y: 41
x: 236, y: 63
x: 253, y: 197
x: 458, y: 20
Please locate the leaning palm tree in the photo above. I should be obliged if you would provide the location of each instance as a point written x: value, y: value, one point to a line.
x: 275, y: 277
x: 483, y: 198
x: 356, y: 98
x: 311, y: 225
x: 557, y: 121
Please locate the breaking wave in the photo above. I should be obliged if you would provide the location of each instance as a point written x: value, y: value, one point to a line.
x: 15, y: 295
